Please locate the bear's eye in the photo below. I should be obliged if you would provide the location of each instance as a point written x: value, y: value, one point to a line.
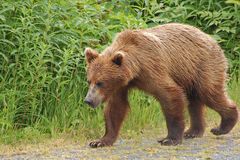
x: 99, y: 84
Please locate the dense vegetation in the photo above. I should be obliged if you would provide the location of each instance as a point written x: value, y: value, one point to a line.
x: 42, y: 68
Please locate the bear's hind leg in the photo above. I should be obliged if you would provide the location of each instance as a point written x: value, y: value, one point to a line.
x: 173, y: 105
x: 227, y: 110
x: 115, y: 112
x: 197, y: 123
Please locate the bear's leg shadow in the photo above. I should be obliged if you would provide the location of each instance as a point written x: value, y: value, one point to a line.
x: 172, y: 103
x: 197, y: 122
x: 227, y: 110
x: 114, y: 114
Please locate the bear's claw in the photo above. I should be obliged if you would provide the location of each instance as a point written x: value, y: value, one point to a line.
x: 96, y: 144
x: 169, y: 142
x: 218, y: 131
x: 192, y: 134
x: 99, y: 143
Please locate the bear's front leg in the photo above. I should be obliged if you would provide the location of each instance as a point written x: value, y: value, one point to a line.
x: 173, y: 106
x: 115, y: 111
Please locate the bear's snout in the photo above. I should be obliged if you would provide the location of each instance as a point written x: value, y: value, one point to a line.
x: 93, y: 98
x: 89, y: 102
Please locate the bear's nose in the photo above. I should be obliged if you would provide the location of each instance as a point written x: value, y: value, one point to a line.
x: 89, y: 102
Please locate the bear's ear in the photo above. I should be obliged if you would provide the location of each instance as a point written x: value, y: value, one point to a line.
x: 90, y: 55
x: 118, y: 58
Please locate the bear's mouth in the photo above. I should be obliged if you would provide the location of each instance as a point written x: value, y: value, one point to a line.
x: 91, y: 103
x: 94, y: 106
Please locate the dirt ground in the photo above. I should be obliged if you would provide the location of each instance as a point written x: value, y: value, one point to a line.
x: 144, y: 147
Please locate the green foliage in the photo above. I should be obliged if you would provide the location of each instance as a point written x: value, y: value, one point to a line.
x: 42, y: 67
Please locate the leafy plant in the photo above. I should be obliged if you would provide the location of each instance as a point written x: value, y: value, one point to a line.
x: 42, y: 66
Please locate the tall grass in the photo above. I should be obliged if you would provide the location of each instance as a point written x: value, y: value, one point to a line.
x: 42, y: 67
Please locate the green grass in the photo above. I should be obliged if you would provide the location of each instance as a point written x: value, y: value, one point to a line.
x: 145, y: 115
x: 42, y: 67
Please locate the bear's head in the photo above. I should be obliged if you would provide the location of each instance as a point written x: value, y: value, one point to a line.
x: 106, y: 73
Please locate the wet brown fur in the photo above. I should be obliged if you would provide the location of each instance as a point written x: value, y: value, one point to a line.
x: 177, y: 64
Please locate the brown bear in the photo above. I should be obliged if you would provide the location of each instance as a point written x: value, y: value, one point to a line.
x: 178, y: 64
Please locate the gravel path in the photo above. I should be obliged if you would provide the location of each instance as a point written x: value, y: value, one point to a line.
x: 209, y: 147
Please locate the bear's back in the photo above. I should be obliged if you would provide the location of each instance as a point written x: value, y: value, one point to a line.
x: 192, y: 54
x: 185, y: 53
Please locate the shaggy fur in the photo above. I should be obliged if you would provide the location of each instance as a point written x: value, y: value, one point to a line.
x: 177, y: 64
